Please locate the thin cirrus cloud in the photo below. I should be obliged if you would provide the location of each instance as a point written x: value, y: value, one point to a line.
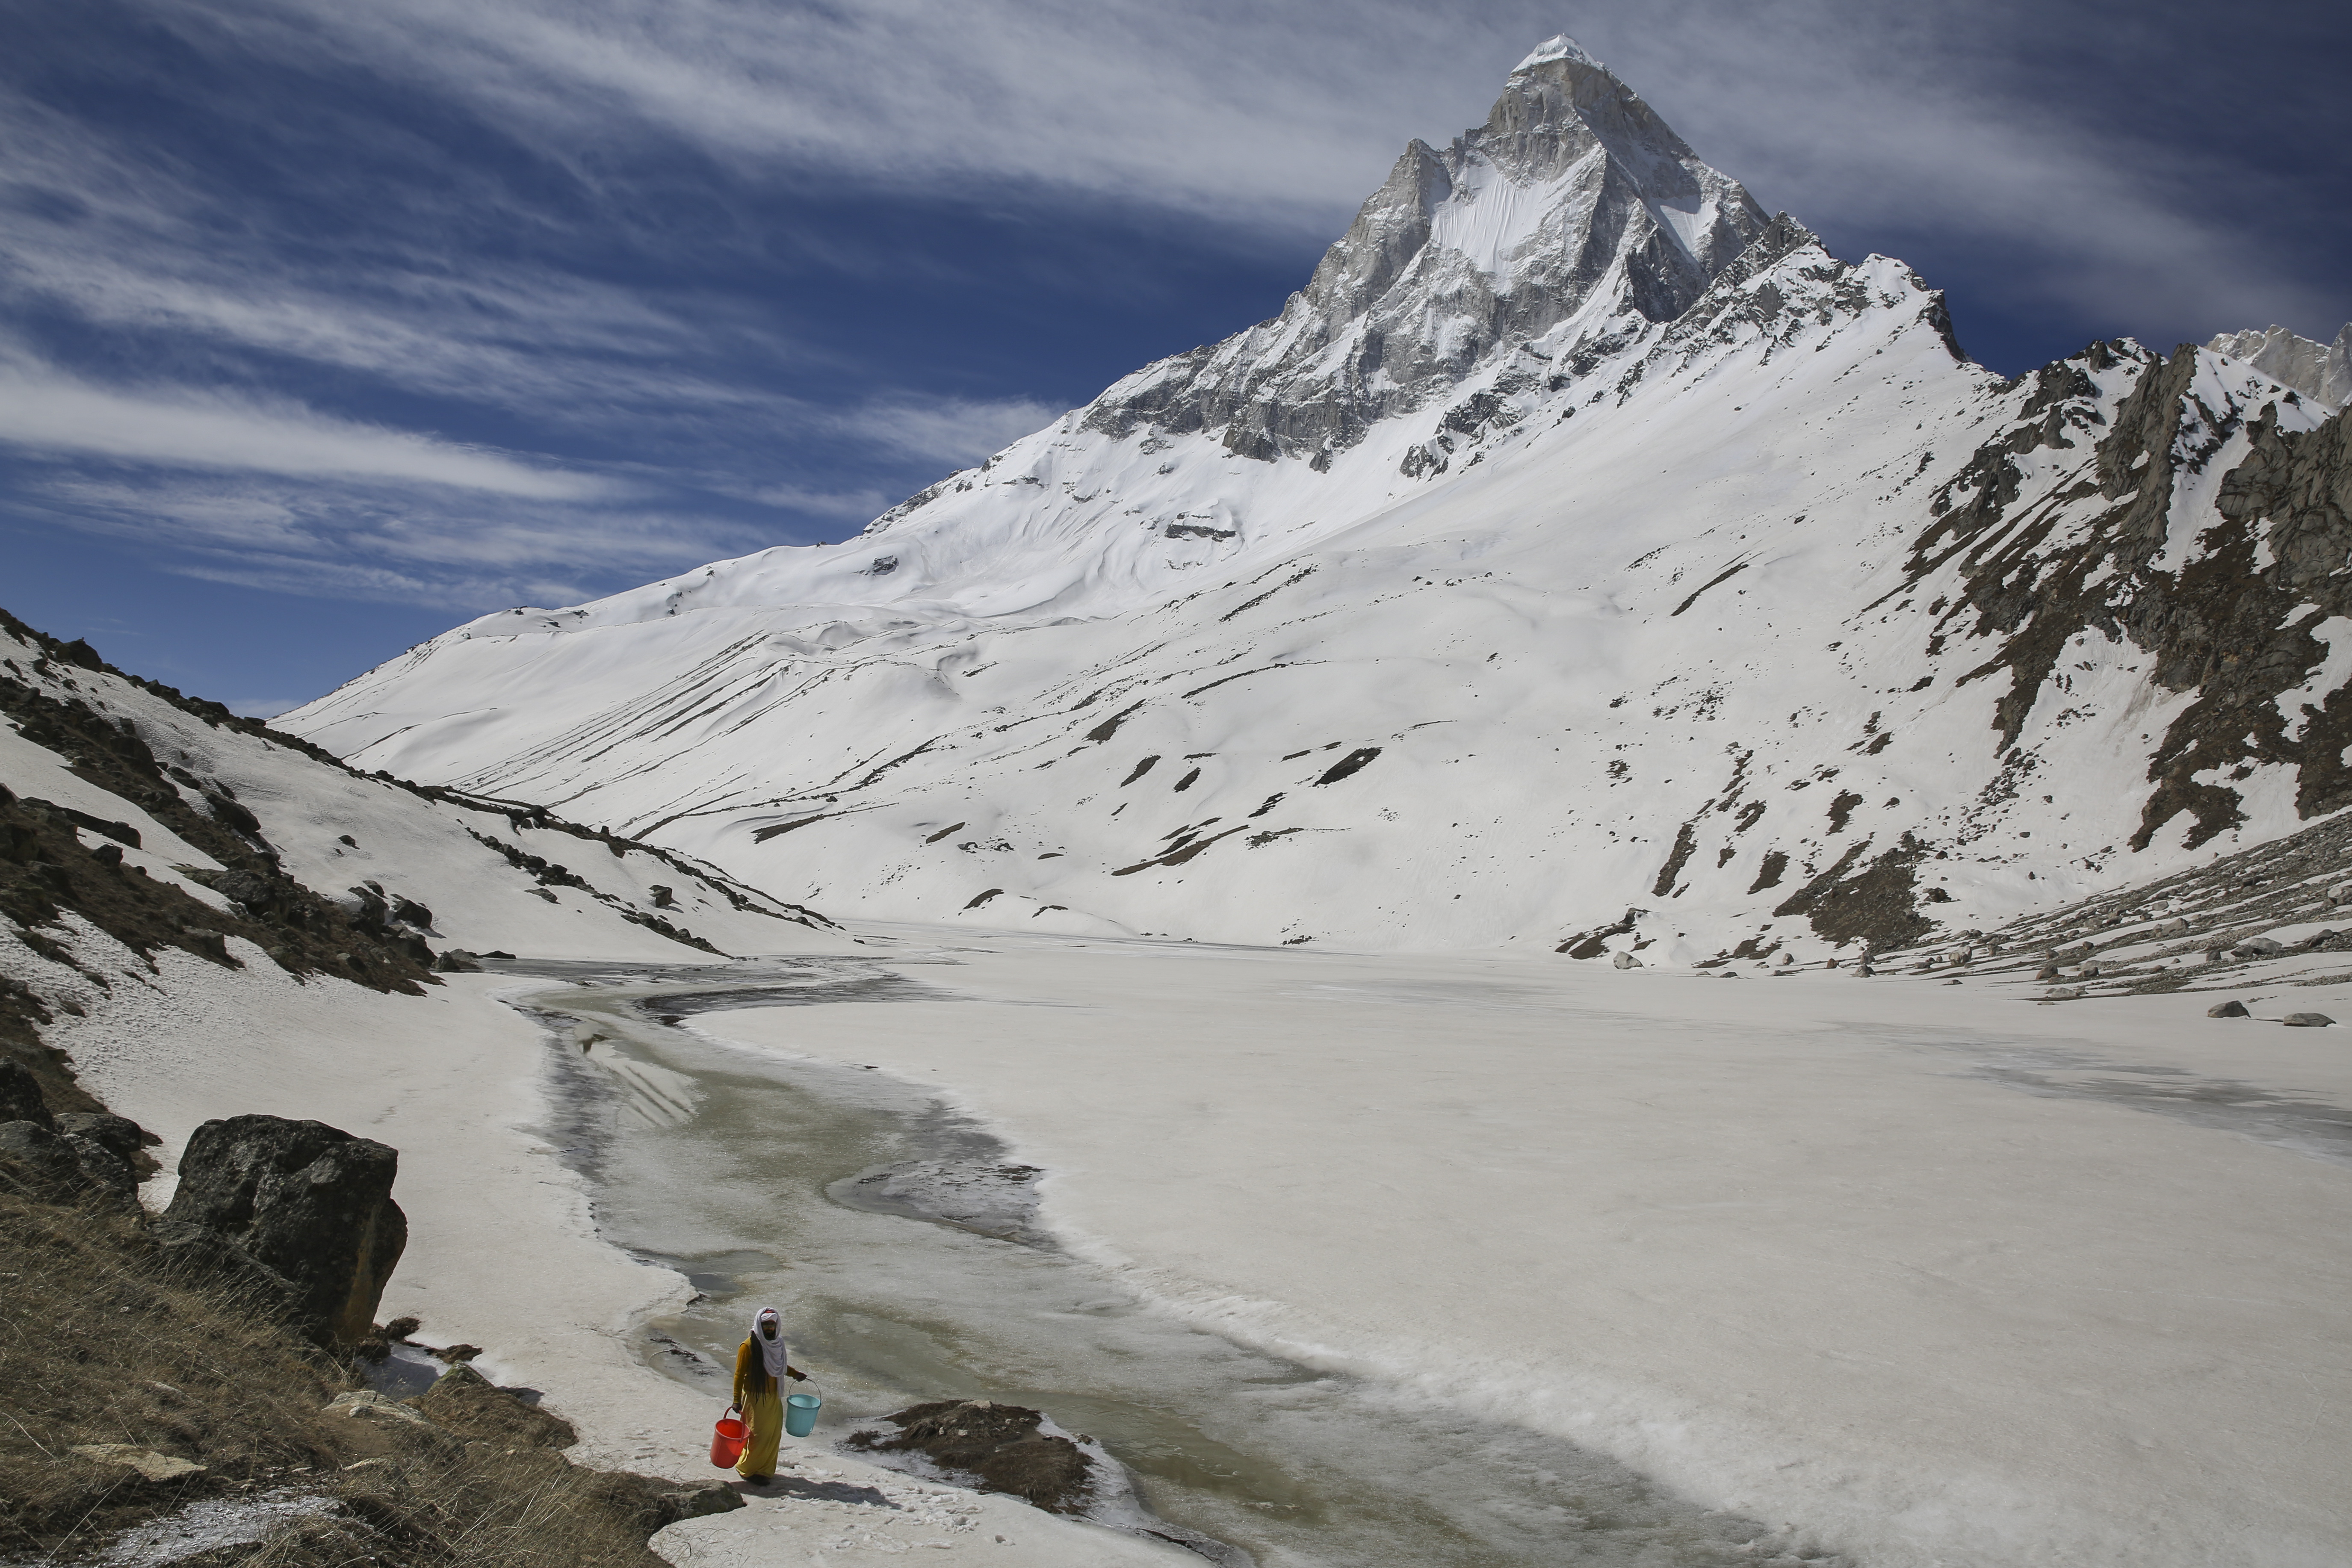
x: 1889, y: 123
x: 48, y: 412
x: 365, y: 543
x: 950, y: 430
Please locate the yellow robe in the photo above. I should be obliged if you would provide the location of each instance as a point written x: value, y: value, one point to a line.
x: 761, y: 1400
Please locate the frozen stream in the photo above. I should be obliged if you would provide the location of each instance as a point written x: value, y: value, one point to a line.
x: 755, y: 1175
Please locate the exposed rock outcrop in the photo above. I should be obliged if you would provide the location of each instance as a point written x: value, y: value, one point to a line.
x: 39, y: 1164
x: 307, y: 1201
x: 469, y: 1404
x: 67, y: 1157
x: 1004, y: 1448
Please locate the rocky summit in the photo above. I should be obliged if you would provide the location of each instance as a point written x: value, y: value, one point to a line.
x: 1583, y: 561
x: 1574, y: 202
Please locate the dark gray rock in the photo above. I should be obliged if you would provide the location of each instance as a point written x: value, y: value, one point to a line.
x: 366, y: 908
x: 306, y: 1200
x: 2307, y: 1020
x: 107, y: 1149
x: 192, y: 1251
x: 119, y: 1135
x: 408, y: 911
x: 456, y: 961
x: 20, y: 1096
x: 2227, y: 1010
x: 39, y: 1164
x: 1004, y: 1446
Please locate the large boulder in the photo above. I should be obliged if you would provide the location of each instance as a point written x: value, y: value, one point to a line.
x: 306, y: 1201
x: 106, y: 1148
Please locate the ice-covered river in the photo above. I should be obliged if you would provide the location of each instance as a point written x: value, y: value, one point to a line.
x: 901, y: 1245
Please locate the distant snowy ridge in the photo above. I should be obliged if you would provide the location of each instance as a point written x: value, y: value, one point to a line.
x: 2315, y: 370
x: 1581, y: 560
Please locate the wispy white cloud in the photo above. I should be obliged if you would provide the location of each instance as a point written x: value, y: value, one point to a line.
x: 956, y: 431
x: 385, y: 543
x: 846, y: 505
x: 1881, y: 121
x: 49, y: 411
x: 142, y: 248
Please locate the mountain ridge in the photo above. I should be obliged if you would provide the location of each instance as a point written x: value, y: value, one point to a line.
x: 2315, y: 370
x: 1732, y: 516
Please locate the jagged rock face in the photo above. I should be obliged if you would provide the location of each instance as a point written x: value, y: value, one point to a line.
x: 2316, y: 370
x: 305, y: 1199
x: 1573, y: 195
x: 2242, y: 612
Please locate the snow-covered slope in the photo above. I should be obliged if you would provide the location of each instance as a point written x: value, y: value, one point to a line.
x: 314, y: 866
x: 1579, y: 561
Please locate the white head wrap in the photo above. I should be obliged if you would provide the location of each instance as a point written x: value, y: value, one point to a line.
x: 771, y: 1350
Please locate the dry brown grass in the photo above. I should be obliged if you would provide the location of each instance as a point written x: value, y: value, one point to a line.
x: 476, y: 1507
x: 100, y: 1342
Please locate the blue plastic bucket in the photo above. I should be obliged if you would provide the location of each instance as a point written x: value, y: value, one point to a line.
x: 800, y: 1414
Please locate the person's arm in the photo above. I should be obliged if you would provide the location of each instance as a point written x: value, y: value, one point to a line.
x: 742, y: 1371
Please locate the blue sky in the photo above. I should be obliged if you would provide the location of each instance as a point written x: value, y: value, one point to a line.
x: 326, y: 326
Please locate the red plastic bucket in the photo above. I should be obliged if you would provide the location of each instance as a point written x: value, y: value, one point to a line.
x: 727, y: 1440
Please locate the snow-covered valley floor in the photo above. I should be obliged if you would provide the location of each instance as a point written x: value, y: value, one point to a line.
x: 1930, y: 1273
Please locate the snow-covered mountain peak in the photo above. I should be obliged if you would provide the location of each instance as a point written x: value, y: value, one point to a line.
x: 1572, y: 203
x: 2323, y: 371
x: 1559, y: 46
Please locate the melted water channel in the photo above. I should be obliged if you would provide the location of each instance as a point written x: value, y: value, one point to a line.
x: 752, y: 1174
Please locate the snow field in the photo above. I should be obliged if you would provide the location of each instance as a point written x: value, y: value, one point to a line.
x: 1884, y: 1260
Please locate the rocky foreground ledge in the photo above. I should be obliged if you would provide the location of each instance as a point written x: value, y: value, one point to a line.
x: 187, y: 1386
